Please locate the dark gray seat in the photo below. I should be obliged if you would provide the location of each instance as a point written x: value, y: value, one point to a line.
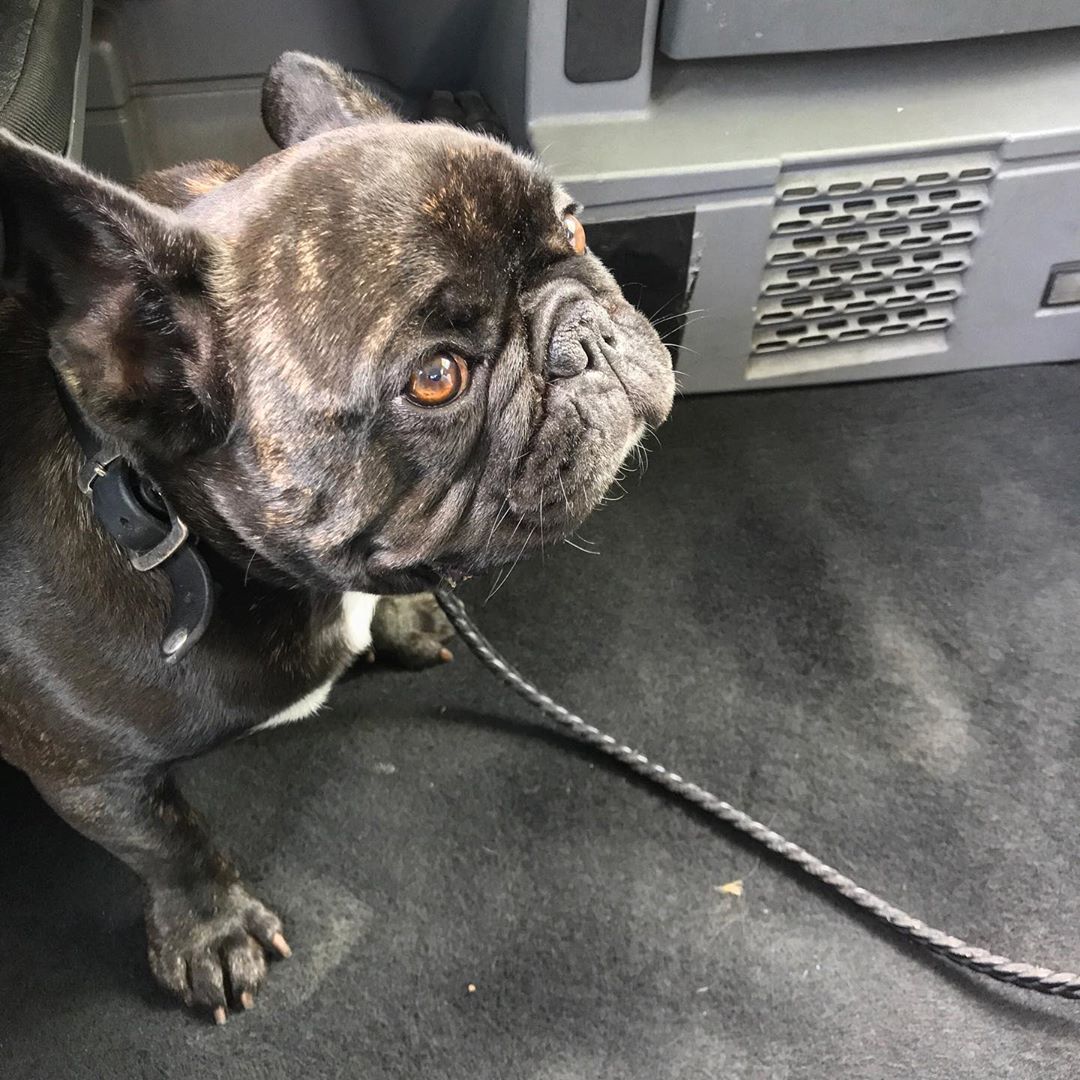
x: 39, y: 52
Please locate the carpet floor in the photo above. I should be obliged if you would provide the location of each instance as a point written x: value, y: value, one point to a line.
x: 851, y: 611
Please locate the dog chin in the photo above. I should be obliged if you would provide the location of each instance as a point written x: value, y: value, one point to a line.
x: 389, y: 573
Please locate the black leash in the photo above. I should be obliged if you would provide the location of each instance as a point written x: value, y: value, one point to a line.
x: 1041, y: 979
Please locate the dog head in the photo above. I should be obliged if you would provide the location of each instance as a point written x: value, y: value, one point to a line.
x: 378, y: 357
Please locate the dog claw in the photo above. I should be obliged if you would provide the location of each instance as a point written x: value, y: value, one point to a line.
x: 247, y: 1000
x: 281, y: 945
x: 445, y: 655
x: 221, y: 1017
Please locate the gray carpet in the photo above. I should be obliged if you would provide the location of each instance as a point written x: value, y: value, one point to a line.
x: 852, y: 611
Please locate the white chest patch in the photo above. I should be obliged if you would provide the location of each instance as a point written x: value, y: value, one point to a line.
x: 354, y: 631
x: 357, y: 610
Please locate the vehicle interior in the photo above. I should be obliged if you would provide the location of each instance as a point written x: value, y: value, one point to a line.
x: 840, y: 587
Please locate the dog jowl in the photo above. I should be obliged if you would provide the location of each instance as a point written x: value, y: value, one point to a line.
x: 374, y: 360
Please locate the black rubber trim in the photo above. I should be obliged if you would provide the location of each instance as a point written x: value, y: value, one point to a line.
x: 603, y: 40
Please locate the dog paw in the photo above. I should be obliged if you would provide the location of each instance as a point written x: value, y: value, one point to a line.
x: 411, y: 631
x: 212, y: 953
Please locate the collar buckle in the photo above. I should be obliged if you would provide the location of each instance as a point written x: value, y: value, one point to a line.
x: 147, y: 529
x: 176, y: 538
x: 93, y: 469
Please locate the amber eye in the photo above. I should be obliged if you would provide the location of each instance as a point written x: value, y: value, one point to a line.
x: 575, y: 233
x: 439, y: 379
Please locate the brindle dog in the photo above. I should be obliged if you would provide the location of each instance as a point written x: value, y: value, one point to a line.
x: 376, y: 359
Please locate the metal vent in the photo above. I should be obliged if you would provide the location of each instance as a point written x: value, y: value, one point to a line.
x: 851, y: 259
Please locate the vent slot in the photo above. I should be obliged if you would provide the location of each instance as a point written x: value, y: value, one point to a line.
x: 853, y: 259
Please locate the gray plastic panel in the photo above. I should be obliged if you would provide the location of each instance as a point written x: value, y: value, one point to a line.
x: 416, y: 44
x: 501, y: 65
x: 161, y: 125
x: 550, y: 93
x: 993, y: 316
x: 714, y: 126
x: 162, y: 62
x: 956, y: 167
x: 869, y: 250
x: 698, y: 29
x: 173, y: 80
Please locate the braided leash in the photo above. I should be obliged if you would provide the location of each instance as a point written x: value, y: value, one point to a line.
x: 1041, y: 979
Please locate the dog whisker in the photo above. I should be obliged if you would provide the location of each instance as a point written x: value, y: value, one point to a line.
x: 562, y: 486
x: 584, y: 551
x: 499, y: 518
x: 678, y: 315
x: 670, y: 300
x: 642, y: 459
x: 520, y: 522
x: 505, y: 576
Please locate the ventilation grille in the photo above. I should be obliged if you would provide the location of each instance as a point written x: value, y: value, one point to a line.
x: 855, y: 259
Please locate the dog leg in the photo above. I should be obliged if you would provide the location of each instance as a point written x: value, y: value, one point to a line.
x: 411, y: 631
x: 207, y: 937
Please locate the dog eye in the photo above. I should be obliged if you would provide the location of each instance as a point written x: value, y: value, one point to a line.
x: 439, y: 379
x: 575, y: 233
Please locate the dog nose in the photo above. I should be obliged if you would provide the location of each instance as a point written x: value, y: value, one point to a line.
x: 576, y: 342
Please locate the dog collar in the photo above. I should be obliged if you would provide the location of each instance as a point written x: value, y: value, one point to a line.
x: 141, y: 521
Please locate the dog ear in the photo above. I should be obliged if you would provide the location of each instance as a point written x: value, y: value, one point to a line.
x: 304, y: 96
x: 122, y: 288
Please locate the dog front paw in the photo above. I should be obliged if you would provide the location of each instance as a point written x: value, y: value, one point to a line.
x: 211, y: 951
x: 411, y: 631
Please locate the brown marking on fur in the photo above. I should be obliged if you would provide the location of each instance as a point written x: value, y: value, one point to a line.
x: 381, y: 330
x: 309, y: 264
x: 177, y: 186
x: 203, y: 185
x: 292, y: 506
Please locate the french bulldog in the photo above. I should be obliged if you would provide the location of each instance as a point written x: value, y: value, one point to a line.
x: 379, y: 358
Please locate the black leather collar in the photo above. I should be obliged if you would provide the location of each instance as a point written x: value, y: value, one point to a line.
x: 141, y: 521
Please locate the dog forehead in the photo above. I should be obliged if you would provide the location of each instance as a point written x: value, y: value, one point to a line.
x: 419, y: 201
x: 482, y: 183
x: 479, y: 198
x: 375, y: 220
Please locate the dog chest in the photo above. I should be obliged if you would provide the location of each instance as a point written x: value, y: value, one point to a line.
x: 353, y: 630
